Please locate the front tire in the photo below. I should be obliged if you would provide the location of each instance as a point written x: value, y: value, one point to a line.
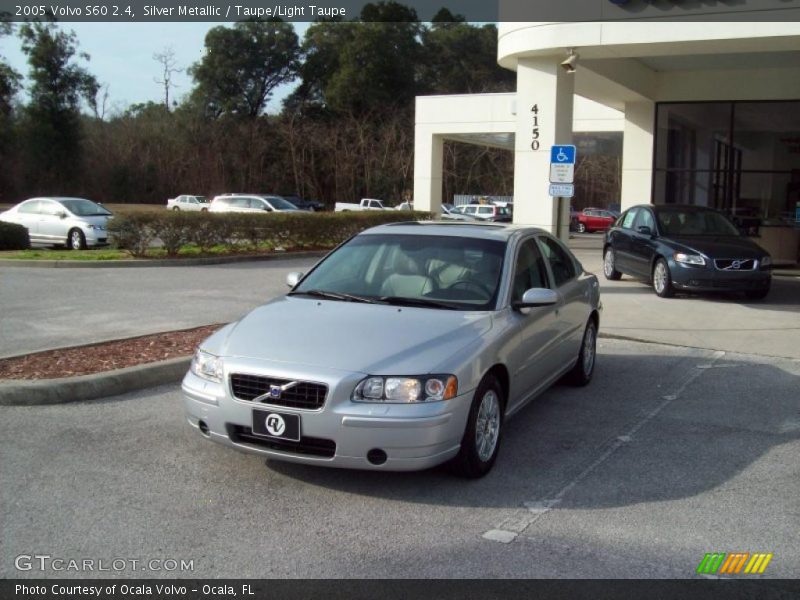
x: 76, y: 240
x: 609, y: 265
x: 581, y: 228
x: 662, y: 280
x: 581, y: 373
x: 176, y: 208
x: 481, y: 441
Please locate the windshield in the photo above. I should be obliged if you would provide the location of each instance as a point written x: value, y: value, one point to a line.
x: 676, y: 221
x: 280, y: 203
x: 83, y: 208
x: 418, y: 270
x: 202, y: 199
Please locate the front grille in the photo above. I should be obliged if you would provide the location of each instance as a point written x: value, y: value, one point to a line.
x: 303, y: 394
x: 735, y: 264
x: 309, y: 446
x: 727, y: 284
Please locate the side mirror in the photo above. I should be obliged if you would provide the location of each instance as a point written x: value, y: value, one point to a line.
x: 62, y: 215
x: 644, y: 230
x: 536, y: 297
x: 293, y: 278
x: 267, y: 209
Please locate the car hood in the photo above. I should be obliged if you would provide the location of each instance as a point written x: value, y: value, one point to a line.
x: 376, y: 339
x: 715, y: 246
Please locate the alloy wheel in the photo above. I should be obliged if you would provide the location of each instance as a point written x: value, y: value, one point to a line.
x: 487, y: 429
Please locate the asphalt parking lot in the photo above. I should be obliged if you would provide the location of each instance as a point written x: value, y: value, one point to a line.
x: 682, y: 446
x: 670, y: 453
x: 53, y: 308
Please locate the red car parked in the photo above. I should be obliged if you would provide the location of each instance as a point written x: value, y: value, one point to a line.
x: 594, y: 219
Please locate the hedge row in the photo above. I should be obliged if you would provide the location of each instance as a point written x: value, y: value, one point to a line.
x: 13, y: 237
x: 136, y: 232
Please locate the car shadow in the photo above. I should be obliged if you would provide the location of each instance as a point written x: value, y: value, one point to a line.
x: 707, y: 436
x: 784, y: 294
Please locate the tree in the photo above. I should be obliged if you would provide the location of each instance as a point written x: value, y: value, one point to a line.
x: 460, y: 58
x: 52, y: 128
x: 9, y: 78
x: 169, y: 66
x: 242, y: 66
x: 9, y: 86
x: 358, y: 67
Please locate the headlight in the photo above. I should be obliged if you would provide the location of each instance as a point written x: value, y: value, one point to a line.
x: 207, y: 366
x: 689, y: 259
x: 428, y: 388
x: 97, y: 227
x: 766, y: 261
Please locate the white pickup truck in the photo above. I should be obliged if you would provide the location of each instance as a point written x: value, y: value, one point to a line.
x: 365, y: 204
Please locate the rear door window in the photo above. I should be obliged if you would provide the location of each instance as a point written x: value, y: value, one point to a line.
x: 561, y: 264
x: 29, y: 207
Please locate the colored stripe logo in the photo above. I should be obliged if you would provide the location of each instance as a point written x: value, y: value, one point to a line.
x: 734, y: 563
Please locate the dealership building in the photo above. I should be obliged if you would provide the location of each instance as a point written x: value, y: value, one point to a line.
x: 708, y: 113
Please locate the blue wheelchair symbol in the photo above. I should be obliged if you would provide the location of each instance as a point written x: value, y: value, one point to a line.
x: 562, y: 155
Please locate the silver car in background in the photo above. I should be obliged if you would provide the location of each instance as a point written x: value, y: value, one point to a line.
x: 75, y: 222
x: 405, y: 347
x: 251, y: 203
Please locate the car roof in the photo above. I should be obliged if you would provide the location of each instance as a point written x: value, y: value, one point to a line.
x: 58, y: 198
x: 488, y: 231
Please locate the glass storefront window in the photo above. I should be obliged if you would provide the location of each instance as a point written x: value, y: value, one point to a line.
x: 743, y: 157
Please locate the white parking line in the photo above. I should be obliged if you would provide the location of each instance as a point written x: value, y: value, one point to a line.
x: 512, y: 526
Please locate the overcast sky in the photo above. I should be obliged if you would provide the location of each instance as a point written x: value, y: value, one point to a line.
x: 122, y: 56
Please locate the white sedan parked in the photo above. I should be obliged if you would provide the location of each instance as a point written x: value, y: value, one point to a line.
x: 75, y: 222
x: 188, y: 202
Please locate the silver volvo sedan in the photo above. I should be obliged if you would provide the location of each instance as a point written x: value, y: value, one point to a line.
x: 404, y: 348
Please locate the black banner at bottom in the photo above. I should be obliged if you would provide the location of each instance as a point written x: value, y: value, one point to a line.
x: 397, y: 589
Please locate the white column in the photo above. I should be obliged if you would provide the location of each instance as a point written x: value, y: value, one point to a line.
x: 428, y: 157
x: 544, y: 84
x: 637, y: 154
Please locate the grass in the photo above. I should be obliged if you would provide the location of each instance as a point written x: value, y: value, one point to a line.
x: 48, y: 254
x: 187, y: 251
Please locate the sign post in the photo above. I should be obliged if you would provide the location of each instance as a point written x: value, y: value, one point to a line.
x: 562, y: 175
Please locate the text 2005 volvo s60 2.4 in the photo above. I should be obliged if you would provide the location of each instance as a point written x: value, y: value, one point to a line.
x: 404, y: 348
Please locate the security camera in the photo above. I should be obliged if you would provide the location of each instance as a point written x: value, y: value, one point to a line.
x: 569, y: 64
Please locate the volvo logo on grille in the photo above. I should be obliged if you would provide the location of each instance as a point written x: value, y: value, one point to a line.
x: 737, y: 264
x: 275, y: 424
x: 275, y: 392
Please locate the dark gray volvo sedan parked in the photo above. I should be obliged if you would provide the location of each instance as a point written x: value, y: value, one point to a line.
x: 405, y: 347
x: 690, y: 248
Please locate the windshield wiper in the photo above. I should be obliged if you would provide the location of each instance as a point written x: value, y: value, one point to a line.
x: 336, y: 296
x: 422, y: 302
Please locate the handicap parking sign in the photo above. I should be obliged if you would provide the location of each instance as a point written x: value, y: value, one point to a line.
x: 562, y: 155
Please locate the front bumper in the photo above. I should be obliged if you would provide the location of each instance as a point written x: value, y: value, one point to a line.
x: 709, y: 279
x: 341, y: 433
x: 96, y: 237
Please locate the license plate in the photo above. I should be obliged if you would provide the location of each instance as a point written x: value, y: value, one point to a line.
x: 282, y: 426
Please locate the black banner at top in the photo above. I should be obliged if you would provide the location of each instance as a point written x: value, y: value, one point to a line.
x: 128, y: 11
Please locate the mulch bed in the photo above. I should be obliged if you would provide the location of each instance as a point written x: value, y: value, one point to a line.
x: 105, y: 356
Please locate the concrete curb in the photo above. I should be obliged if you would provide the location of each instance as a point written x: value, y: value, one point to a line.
x: 91, y: 387
x: 150, y: 262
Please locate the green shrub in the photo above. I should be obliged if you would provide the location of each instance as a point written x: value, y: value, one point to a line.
x: 133, y: 232
x: 13, y: 237
x: 173, y: 231
x: 241, y: 231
